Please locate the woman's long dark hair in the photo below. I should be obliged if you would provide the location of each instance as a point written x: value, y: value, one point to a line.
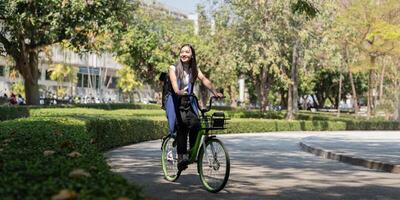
x: 192, y: 64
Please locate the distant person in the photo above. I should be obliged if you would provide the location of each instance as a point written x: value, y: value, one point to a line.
x: 13, y: 99
x: 20, y: 100
x: 5, y: 96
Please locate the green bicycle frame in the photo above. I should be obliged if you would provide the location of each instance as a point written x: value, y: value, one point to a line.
x: 196, y: 148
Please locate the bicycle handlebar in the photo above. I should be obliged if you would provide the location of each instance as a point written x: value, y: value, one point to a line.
x: 208, y: 108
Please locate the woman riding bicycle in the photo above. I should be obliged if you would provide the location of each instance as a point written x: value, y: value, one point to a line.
x: 180, y: 108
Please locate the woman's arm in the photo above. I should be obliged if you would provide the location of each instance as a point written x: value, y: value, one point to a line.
x: 208, y: 84
x: 174, y: 82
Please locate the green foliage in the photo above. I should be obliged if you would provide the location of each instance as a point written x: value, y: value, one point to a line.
x: 18, y: 88
x: 262, y: 125
x: 91, y: 113
x: 34, y: 162
x: 255, y: 114
x: 30, y: 26
x: 13, y: 112
x: 62, y: 72
x: 148, y: 47
x: 110, y: 133
x: 45, y: 22
x: 304, y: 7
x: 127, y: 81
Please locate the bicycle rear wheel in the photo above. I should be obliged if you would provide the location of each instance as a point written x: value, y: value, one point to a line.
x: 214, y: 165
x: 169, y: 159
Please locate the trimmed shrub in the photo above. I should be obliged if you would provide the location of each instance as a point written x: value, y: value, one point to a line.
x: 104, y: 106
x: 255, y: 114
x: 35, y: 162
x: 262, y: 125
x: 88, y: 113
x: 13, y: 112
x: 372, y: 125
x: 110, y: 133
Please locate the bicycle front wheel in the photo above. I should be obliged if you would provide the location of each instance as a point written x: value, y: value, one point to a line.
x: 214, y: 165
x: 169, y: 159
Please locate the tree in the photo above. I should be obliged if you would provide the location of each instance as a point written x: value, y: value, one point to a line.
x: 149, y: 47
x: 376, y: 28
x: 63, y: 73
x: 127, y: 81
x: 29, y: 26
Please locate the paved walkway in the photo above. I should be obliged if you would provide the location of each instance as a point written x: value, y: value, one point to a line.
x: 373, y: 149
x: 263, y: 166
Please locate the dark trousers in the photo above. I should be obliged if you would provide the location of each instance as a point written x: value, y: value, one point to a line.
x: 188, y: 122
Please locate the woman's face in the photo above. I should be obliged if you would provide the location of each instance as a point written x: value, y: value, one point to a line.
x: 185, y: 54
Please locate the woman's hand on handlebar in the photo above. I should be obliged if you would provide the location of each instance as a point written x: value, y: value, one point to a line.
x: 218, y: 95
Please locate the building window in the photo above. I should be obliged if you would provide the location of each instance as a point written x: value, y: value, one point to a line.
x: 2, y: 69
x: 86, y: 81
x: 112, y: 84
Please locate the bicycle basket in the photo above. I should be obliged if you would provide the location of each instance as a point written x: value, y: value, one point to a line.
x: 218, y: 120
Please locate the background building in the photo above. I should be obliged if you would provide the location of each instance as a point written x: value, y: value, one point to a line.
x: 96, y: 75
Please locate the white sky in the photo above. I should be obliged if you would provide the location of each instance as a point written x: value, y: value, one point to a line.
x: 185, y: 6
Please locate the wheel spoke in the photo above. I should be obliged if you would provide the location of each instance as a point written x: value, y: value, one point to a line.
x: 215, y: 169
x: 170, y: 160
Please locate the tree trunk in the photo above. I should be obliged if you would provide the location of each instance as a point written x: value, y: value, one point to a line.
x: 293, y: 86
x: 290, y: 115
x: 381, y: 81
x: 340, y: 93
x: 284, y: 100
x: 295, y: 78
x: 27, y: 65
x: 263, y: 91
x: 321, y: 100
x: 353, y: 87
x: 370, y: 86
x: 204, y: 95
x: 354, y: 95
x: 233, y: 95
x: 315, y: 102
x: 32, y: 93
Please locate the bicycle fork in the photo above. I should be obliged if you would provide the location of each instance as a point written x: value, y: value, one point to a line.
x: 204, y: 141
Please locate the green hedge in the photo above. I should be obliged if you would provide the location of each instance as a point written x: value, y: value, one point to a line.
x: 104, y: 106
x: 34, y: 162
x: 13, y: 112
x: 86, y: 113
x: 110, y: 133
x: 262, y: 125
x: 372, y: 125
x: 255, y: 114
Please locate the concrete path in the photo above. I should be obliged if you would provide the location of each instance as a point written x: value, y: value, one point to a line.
x: 376, y: 145
x: 263, y: 166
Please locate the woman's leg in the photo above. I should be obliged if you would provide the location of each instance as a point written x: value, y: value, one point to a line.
x: 181, y: 139
x: 193, y: 126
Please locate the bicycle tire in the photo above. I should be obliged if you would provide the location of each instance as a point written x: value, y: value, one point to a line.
x: 169, y: 160
x: 215, y: 165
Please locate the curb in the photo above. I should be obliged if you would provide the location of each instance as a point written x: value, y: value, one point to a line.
x: 371, y: 164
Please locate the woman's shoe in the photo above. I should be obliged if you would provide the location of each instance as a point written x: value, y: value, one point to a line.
x: 183, y: 162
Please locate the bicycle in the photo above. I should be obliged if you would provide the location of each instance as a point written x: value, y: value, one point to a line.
x: 209, y: 152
